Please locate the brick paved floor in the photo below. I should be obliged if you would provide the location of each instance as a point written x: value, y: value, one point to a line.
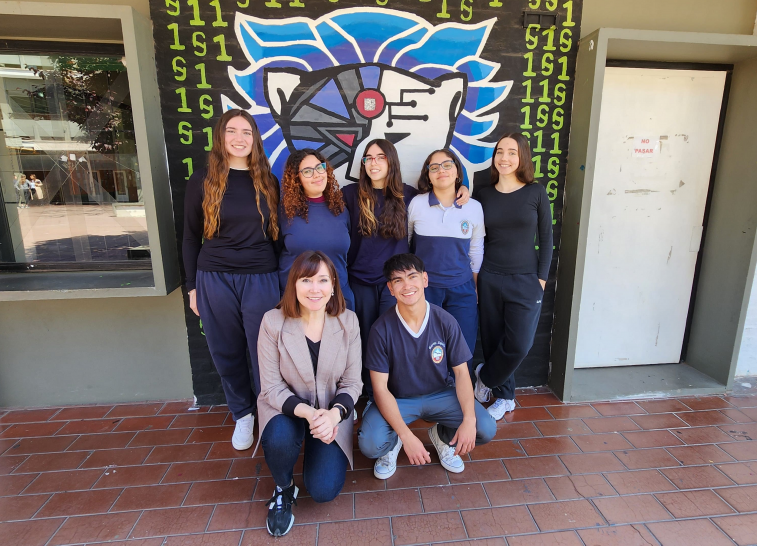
x: 664, y: 471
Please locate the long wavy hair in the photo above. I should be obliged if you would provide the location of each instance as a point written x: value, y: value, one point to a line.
x: 525, y: 171
x: 424, y: 182
x: 392, y: 224
x: 216, y: 179
x: 294, y: 199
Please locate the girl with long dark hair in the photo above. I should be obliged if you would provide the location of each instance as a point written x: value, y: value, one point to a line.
x: 230, y: 224
x: 313, y: 216
x: 377, y: 204
x: 449, y: 238
x: 514, y: 274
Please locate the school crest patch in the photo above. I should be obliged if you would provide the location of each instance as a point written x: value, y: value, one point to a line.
x: 437, y: 352
x: 465, y: 227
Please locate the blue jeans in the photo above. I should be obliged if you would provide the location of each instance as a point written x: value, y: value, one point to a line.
x: 460, y: 302
x: 377, y: 438
x: 324, y: 467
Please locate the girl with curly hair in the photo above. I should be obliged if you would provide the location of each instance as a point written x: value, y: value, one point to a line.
x: 230, y: 224
x: 313, y: 216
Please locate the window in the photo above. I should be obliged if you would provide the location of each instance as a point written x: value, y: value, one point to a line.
x: 69, y: 175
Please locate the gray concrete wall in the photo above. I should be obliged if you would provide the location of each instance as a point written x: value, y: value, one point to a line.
x: 725, y: 279
x: 729, y: 17
x: 93, y: 350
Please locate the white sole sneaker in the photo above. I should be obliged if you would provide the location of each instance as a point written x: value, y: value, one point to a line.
x: 500, y: 407
x: 386, y: 465
x: 446, y: 453
x: 243, y: 436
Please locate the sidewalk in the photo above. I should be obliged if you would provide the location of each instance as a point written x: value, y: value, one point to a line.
x: 664, y: 471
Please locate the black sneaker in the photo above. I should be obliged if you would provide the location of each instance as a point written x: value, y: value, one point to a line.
x: 280, y: 518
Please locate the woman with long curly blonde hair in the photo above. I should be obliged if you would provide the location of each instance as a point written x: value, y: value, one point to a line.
x: 313, y: 216
x: 230, y: 225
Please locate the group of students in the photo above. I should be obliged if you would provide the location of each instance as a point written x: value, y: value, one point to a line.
x: 27, y: 189
x: 373, y: 288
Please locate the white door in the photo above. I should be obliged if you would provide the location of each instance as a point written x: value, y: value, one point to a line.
x: 657, y: 133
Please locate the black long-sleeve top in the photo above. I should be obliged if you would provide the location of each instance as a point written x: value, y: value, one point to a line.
x: 314, y: 347
x: 512, y: 221
x: 242, y: 244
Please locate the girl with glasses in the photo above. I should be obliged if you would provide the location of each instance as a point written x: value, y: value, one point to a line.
x: 230, y: 225
x: 377, y: 205
x: 449, y: 238
x: 513, y: 274
x: 313, y: 216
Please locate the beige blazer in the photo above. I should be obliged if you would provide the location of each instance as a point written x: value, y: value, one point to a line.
x: 286, y: 367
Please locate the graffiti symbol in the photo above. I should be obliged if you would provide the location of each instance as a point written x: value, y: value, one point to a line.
x: 337, y: 82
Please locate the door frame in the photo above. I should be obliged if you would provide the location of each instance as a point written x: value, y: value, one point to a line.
x: 729, y: 253
x: 705, y: 67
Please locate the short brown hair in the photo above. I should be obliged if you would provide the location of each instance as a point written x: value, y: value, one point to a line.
x: 305, y: 265
x: 525, y: 171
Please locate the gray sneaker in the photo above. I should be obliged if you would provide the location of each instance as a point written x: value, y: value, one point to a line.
x: 386, y: 465
x: 482, y: 392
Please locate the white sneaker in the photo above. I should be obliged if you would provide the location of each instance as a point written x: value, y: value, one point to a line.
x: 482, y: 392
x: 386, y: 465
x: 500, y: 407
x: 243, y: 437
x: 354, y: 416
x: 447, y: 456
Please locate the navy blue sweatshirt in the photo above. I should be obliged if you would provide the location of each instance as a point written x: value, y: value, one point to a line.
x: 323, y: 231
x: 242, y: 244
x: 512, y: 221
x: 368, y: 254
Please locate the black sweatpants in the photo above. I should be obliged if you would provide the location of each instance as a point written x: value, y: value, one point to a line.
x: 509, y: 308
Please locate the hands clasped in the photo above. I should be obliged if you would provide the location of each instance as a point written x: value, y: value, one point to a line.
x: 324, y: 424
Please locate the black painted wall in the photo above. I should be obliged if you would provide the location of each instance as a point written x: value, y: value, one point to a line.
x: 198, y: 50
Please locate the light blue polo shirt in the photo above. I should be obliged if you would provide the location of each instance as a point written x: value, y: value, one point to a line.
x: 450, y: 240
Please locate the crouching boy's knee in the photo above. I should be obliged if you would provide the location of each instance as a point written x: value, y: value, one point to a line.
x: 486, y: 430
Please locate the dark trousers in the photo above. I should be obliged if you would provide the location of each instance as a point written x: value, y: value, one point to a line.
x: 371, y: 301
x: 324, y: 466
x: 231, y: 307
x: 510, y: 307
x: 376, y: 437
x: 461, y: 303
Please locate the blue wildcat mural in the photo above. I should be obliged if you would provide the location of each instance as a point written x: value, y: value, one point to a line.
x: 336, y: 82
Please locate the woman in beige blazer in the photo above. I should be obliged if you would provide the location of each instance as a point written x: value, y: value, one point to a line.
x: 310, y: 364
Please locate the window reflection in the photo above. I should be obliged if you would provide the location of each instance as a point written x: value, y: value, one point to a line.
x: 69, y: 178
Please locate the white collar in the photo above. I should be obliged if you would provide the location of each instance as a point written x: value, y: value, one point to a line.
x: 423, y: 326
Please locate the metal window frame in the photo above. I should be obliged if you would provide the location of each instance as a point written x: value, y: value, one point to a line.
x: 138, y: 45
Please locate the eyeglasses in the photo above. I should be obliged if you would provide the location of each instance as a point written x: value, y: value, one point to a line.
x: 446, y: 165
x: 379, y: 159
x: 308, y: 172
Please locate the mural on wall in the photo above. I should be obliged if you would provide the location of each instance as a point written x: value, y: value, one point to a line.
x: 335, y: 74
x: 337, y: 82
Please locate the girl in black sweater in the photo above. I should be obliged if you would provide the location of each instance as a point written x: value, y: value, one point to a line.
x: 230, y: 225
x: 513, y: 275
